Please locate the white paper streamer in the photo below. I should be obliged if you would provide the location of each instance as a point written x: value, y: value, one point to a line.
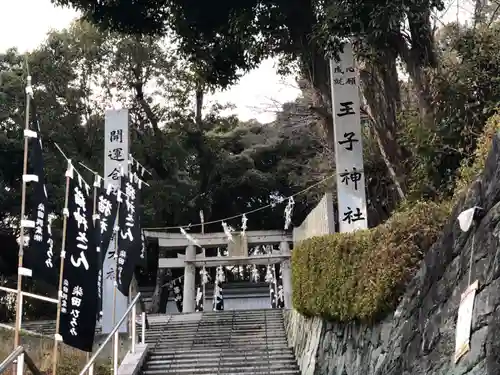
x: 228, y: 231
x: 288, y: 212
x: 189, y: 237
x: 269, y: 275
x: 204, y: 276
x: 255, y: 274
x: 244, y: 220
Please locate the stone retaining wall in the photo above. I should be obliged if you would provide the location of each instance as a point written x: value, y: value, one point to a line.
x: 419, y: 337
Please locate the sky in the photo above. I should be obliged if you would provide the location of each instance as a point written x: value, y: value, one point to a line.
x: 258, y: 95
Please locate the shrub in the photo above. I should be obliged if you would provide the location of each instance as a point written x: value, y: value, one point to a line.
x: 360, y: 275
x: 472, y: 167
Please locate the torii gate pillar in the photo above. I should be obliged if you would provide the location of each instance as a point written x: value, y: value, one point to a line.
x: 286, y: 273
x: 188, y: 301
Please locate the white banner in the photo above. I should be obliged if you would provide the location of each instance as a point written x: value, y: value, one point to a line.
x: 116, y: 151
x: 348, y: 142
x: 464, y: 321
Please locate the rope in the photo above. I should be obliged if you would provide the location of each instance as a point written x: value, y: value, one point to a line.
x: 248, y: 212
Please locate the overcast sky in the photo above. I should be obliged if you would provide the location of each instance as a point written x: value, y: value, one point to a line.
x: 25, y: 23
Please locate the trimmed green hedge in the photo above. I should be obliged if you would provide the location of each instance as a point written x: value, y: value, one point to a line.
x: 361, y: 275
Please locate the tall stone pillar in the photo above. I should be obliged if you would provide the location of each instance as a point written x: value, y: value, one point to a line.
x: 188, y: 301
x: 286, y: 273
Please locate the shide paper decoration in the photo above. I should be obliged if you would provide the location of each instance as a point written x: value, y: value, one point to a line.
x: 271, y: 280
x: 177, y: 289
x: 288, y: 212
x: 199, y: 299
x: 190, y: 238
x: 228, y: 231
x: 244, y: 221
x: 218, y: 299
x: 280, y: 298
x: 79, y: 295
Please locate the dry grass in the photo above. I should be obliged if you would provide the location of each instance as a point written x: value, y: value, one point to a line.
x: 71, y: 361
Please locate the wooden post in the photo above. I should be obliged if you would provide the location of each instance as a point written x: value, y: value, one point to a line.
x: 19, y: 298
x: 69, y: 175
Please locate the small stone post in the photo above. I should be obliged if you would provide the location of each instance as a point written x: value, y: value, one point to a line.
x: 188, y: 302
x: 286, y: 272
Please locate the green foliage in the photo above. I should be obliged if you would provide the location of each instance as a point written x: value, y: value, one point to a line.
x: 465, y: 95
x: 361, y: 275
x: 222, y: 166
x: 473, y: 166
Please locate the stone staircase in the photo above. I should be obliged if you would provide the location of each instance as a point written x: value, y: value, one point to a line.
x: 223, y: 342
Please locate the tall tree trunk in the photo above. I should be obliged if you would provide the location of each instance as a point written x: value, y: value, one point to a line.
x: 419, y: 57
x: 380, y: 85
x: 162, y: 277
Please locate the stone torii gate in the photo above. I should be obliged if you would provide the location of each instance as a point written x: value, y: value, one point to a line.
x: 237, y: 255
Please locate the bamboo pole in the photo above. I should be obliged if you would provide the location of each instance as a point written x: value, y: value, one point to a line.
x: 61, y: 270
x: 115, y: 284
x: 94, y: 212
x: 23, y: 211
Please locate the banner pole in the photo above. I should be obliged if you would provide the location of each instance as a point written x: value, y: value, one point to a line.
x: 98, y: 245
x: 57, y: 337
x: 19, y: 298
x: 115, y: 284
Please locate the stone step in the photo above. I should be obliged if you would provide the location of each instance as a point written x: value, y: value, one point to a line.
x: 217, y: 349
x: 210, y: 357
x: 270, y: 366
x: 223, y: 333
x: 216, y: 371
x: 269, y: 350
x: 220, y: 343
x: 247, y: 347
x: 208, y: 340
x: 254, y: 362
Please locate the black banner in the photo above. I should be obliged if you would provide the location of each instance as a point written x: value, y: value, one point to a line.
x: 79, y: 298
x: 137, y: 183
x: 40, y: 257
x: 107, y: 207
x: 129, y: 239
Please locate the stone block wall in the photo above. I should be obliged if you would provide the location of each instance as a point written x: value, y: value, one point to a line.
x: 419, y: 337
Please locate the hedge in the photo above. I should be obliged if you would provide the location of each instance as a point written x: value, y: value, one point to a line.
x: 361, y: 275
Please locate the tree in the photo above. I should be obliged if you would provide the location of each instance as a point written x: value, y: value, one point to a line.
x: 227, y: 37
x: 229, y: 166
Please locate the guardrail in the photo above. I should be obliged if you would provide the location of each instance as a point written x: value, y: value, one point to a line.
x: 19, y: 357
x: 31, y: 295
x: 132, y: 309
